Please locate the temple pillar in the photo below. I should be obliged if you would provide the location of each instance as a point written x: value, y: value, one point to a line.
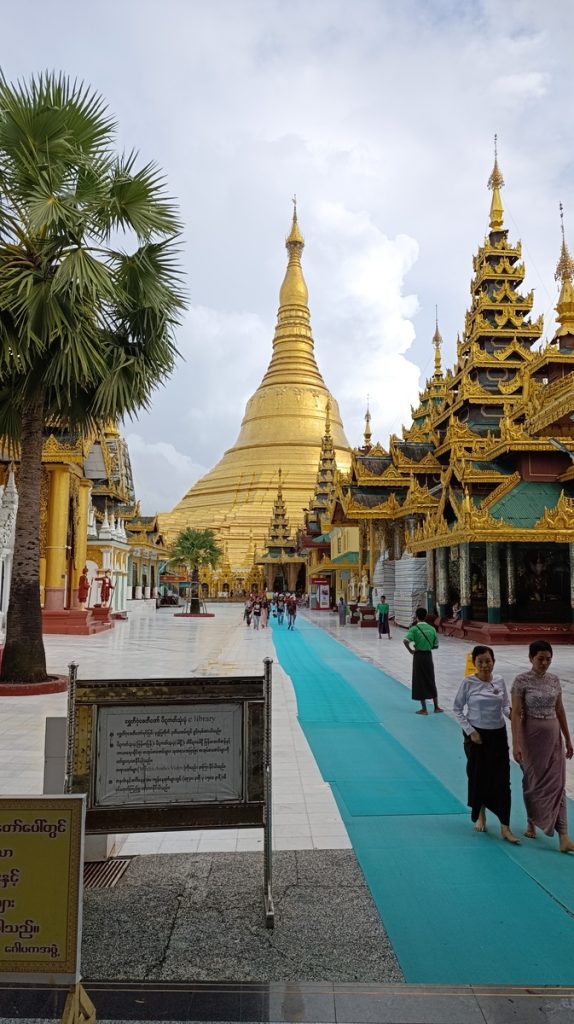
x: 442, y: 582
x: 57, y: 535
x: 464, y: 585
x: 571, y: 551
x: 431, y: 590
x: 81, y: 552
x: 372, y: 551
x: 493, y: 582
x: 510, y: 566
x: 291, y: 578
x: 396, y: 541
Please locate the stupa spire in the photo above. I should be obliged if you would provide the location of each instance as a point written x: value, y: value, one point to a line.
x: 368, y: 433
x: 437, y: 342
x: 564, y: 274
x: 293, y: 359
x: 495, y: 182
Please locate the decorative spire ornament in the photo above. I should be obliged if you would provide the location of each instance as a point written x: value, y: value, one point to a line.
x: 437, y: 342
x: 564, y: 274
x: 368, y: 432
x: 495, y: 183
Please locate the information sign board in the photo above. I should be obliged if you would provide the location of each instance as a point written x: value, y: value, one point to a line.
x: 41, y: 864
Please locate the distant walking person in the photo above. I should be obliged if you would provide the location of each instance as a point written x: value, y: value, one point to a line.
x: 342, y: 611
x: 264, y: 612
x: 291, y: 611
x: 481, y: 705
x: 256, y: 611
x: 280, y: 609
x: 541, y: 743
x: 425, y: 640
x: 383, y: 617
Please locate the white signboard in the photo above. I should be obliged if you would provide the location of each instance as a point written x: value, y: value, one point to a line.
x: 166, y: 754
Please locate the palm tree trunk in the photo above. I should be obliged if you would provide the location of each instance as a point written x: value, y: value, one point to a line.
x: 194, y: 592
x: 24, y: 659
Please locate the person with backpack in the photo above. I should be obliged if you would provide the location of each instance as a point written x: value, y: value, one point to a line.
x: 424, y: 639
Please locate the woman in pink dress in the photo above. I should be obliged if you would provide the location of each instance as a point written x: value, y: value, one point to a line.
x: 540, y: 744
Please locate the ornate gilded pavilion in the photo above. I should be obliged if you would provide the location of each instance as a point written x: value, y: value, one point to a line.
x: 88, y: 517
x: 482, y: 482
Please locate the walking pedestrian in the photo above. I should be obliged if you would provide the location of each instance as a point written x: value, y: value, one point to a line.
x: 291, y: 611
x: 383, y: 617
x: 256, y: 611
x: 541, y: 743
x: 342, y: 611
x: 481, y: 705
x: 424, y: 638
x: 280, y: 609
x: 264, y: 612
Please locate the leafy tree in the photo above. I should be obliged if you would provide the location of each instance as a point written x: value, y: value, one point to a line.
x: 194, y: 549
x: 90, y: 296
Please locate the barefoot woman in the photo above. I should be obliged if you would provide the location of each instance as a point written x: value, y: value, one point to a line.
x: 538, y: 728
x: 480, y: 706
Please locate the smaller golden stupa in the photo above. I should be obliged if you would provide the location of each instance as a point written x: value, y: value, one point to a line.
x: 282, y: 429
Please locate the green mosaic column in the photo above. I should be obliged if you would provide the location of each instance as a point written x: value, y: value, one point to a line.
x: 464, y: 569
x: 571, y: 549
x: 430, y: 581
x: 442, y: 582
x: 511, y: 580
x: 493, y: 582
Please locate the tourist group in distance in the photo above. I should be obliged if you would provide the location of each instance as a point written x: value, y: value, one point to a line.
x: 258, y: 608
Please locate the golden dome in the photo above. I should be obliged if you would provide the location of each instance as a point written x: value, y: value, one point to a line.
x: 283, y: 427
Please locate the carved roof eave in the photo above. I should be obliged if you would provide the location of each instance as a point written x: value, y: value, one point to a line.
x: 71, y: 452
x: 552, y: 411
x: 534, y: 535
x: 502, y: 489
x: 551, y: 354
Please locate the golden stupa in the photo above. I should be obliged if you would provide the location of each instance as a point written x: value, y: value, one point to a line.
x: 282, y: 429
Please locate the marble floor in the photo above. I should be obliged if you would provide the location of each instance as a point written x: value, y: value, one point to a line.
x: 305, y: 815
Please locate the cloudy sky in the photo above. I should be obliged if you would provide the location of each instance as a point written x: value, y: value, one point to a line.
x: 380, y: 116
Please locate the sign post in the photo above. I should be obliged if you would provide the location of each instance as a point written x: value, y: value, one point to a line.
x: 41, y: 865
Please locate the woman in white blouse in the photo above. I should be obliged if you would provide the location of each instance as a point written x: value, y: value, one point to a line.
x: 481, y: 705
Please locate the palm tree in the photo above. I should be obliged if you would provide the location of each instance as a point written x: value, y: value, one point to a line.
x: 193, y: 549
x: 90, y: 296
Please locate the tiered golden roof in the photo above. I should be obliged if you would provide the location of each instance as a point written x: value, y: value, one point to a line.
x: 282, y: 426
x: 466, y: 469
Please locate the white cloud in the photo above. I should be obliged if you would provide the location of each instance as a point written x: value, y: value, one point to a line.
x: 530, y: 85
x: 380, y: 117
x: 162, y: 474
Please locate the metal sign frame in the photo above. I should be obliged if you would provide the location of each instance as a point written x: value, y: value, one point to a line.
x: 253, y: 810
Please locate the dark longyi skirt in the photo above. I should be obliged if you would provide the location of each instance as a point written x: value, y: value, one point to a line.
x: 423, y: 681
x: 488, y: 771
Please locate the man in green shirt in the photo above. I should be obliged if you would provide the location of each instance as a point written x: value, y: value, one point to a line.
x: 383, y: 617
x: 424, y: 639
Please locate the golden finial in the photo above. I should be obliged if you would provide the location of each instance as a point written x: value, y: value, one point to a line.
x: 564, y: 273
x: 294, y: 290
x: 328, y: 417
x: 368, y: 432
x: 437, y: 342
x: 495, y: 182
x: 294, y: 237
x: 565, y: 265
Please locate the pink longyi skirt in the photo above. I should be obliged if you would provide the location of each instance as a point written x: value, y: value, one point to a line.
x: 543, y: 761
